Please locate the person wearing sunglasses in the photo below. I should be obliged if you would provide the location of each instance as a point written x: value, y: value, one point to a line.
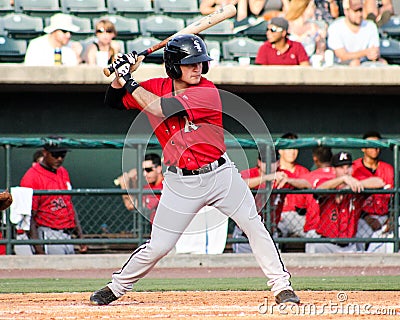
x: 46, y: 50
x: 53, y: 216
x: 278, y: 49
x: 103, y: 50
x: 152, y: 172
x: 355, y: 41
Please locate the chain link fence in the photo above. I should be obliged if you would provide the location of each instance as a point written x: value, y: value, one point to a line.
x: 109, y: 227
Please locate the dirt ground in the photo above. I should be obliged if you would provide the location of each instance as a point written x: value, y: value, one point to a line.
x: 203, y: 305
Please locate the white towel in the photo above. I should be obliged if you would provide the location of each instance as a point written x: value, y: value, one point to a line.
x: 206, y: 234
x: 21, y: 208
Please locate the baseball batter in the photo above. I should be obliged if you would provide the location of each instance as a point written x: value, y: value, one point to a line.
x: 185, y: 111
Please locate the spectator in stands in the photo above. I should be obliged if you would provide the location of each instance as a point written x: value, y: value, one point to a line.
x: 268, y: 9
x: 104, y: 45
x: 375, y: 209
x: 378, y: 11
x: 152, y: 172
x: 326, y: 10
x: 304, y: 28
x: 53, y: 216
x: 354, y: 40
x: 339, y: 213
x: 292, y: 218
x: 41, y: 50
x: 278, y: 49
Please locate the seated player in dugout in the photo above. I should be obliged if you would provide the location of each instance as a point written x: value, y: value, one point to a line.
x: 256, y: 178
x: 152, y: 172
x: 339, y: 213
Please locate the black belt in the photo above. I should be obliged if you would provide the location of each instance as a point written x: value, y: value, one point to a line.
x: 204, y: 169
x: 68, y: 231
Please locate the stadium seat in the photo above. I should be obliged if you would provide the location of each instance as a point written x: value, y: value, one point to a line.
x: 12, y: 50
x: 42, y: 8
x: 84, y: 24
x: 256, y: 32
x: 240, y: 47
x: 160, y: 26
x: 127, y: 28
x: 84, y: 8
x: 22, y: 26
x: 390, y: 50
x: 137, y: 9
x: 391, y: 28
x: 142, y: 43
x: 5, y: 7
x: 184, y: 9
x: 219, y: 32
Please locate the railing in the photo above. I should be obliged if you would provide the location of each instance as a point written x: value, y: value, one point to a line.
x: 133, y: 228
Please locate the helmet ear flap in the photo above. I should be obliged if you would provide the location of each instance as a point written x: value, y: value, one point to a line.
x: 176, y: 71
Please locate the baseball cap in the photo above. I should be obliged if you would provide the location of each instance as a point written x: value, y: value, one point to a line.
x: 54, y: 144
x: 353, y: 4
x: 61, y: 21
x: 342, y: 158
x: 280, y: 22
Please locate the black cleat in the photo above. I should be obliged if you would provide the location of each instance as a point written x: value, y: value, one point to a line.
x: 102, y: 297
x: 286, y: 296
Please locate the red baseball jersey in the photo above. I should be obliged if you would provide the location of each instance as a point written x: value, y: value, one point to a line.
x: 53, y: 211
x: 187, y: 142
x: 276, y: 200
x: 267, y: 55
x: 339, y: 214
x: 309, y: 202
x: 295, y: 200
x: 151, y: 201
x: 376, y: 203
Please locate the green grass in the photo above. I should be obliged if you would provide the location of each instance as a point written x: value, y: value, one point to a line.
x: 363, y: 283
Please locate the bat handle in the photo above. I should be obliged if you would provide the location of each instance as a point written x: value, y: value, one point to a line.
x: 109, y: 70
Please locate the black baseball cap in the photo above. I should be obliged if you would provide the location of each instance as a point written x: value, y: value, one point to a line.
x: 54, y: 144
x: 342, y: 158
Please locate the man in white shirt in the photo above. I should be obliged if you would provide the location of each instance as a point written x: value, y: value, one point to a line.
x: 354, y: 40
x: 40, y: 51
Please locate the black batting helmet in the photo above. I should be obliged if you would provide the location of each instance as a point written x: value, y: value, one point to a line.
x: 184, y: 49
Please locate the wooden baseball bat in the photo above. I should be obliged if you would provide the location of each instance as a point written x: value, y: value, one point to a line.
x: 202, y: 24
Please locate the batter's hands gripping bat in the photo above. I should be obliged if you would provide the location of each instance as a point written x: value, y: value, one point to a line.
x: 202, y: 24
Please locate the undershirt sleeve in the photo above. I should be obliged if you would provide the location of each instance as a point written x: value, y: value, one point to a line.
x: 113, y: 98
x: 172, y: 107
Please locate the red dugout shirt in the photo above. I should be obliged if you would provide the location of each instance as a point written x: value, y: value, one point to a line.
x: 313, y: 211
x: 376, y: 203
x: 187, y: 142
x: 276, y: 200
x: 295, y: 200
x: 53, y: 211
x: 267, y: 55
x: 339, y: 214
x: 151, y: 201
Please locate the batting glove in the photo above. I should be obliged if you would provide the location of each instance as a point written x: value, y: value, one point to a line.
x: 124, y: 62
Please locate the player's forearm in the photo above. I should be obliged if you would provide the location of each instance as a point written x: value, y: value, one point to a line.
x: 299, y: 183
x: 331, y: 184
x: 373, y: 183
x: 148, y: 101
